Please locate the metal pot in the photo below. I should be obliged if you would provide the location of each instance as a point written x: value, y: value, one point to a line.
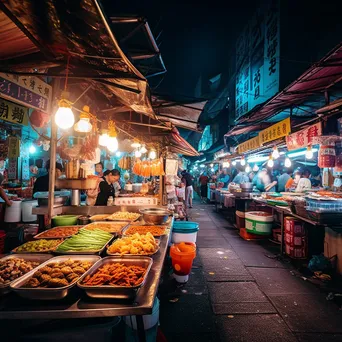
x: 246, y: 186
x: 137, y: 187
x: 155, y: 215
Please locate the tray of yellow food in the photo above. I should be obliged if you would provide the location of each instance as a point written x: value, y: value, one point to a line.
x: 100, y: 217
x: 109, y: 227
x: 134, y: 245
x: 156, y: 231
x: 38, y: 246
x: 53, y: 279
x: 123, y: 216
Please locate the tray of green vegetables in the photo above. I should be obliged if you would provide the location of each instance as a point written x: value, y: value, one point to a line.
x: 85, y: 242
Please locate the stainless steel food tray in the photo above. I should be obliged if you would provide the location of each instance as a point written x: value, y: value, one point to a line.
x: 112, y: 291
x: 48, y: 293
x: 123, y: 220
x: 138, y: 255
x: 123, y: 223
x: 5, y: 288
x: 89, y: 252
x: 40, y: 235
x: 15, y: 250
x: 143, y: 225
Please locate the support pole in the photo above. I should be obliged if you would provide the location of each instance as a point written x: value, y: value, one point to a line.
x: 53, y: 150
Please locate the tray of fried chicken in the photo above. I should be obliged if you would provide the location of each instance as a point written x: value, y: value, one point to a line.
x: 53, y: 279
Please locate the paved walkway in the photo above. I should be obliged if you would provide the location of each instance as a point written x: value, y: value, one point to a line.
x: 239, y: 291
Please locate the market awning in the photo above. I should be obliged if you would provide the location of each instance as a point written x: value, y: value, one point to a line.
x: 77, y: 31
x: 315, y: 81
x: 177, y: 144
x: 183, y: 114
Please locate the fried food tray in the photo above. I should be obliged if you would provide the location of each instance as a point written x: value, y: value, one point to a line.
x: 15, y: 250
x: 164, y: 227
x: 41, y: 258
x: 137, y: 255
x: 112, y: 291
x: 48, y: 293
x: 41, y: 235
x: 109, y: 223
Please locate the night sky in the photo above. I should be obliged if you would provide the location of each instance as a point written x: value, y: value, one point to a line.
x: 196, y: 38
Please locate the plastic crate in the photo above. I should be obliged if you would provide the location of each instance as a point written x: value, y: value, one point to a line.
x: 327, y: 206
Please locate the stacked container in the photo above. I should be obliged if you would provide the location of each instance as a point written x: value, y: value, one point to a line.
x: 295, y: 238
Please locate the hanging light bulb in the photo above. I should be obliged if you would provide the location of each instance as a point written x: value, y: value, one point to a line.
x: 255, y: 168
x: 137, y: 154
x: 136, y: 143
x: 212, y: 169
x: 84, y: 125
x: 32, y: 149
x: 309, y: 153
x: 64, y: 117
x: 248, y: 168
x: 270, y: 162
x: 103, y: 140
x: 275, y: 153
x: 118, y: 154
x: 243, y: 161
x: 225, y: 164
x: 211, y: 165
x: 152, y: 154
x: 287, y: 162
x: 234, y: 163
x: 143, y: 149
x: 113, y: 144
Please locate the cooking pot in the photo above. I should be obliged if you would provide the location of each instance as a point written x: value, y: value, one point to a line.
x: 155, y: 215
x: 246, y: 186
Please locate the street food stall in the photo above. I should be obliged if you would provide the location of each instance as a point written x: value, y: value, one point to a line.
x: 96, y: 260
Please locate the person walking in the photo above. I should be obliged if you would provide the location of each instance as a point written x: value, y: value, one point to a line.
x: 204, y: 180
x: 187, y: 179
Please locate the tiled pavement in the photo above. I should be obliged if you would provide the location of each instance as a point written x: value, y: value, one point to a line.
x: 240, y: 291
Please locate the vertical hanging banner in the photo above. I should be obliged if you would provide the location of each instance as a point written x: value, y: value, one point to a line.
x: 27, y: 90
x: 13, y: 147
x: 12, y: 168
x: 304, y: 137
x: 276, y: 131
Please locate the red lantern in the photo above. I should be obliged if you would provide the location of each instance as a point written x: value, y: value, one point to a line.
x: 39, y: 119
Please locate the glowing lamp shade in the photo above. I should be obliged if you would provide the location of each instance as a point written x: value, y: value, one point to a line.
x: 248, y: 168
x: 234, y: 163
x: 32, y: 149
x: 143, y: 149
x: 225, y: 164
x: 309, y: 153
x: 152, y: 154
x: 243, y: 161
x: 211, y: 165
x: 275, y: 153
x: 103, y: 140
x: 255, y: 168
x: 137, y: 154
x: 83, y: 126
x: 287, y: 162
x: 64, y: 116
x: 112, y: 144
x: 270, y: 162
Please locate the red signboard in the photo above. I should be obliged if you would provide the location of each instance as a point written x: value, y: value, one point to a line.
x: 304, y: 137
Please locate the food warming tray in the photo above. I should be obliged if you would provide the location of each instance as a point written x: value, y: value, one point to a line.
x: 15, y: 250
x: 41, y: 258
x: 164, y: 227
x: 88, y: 252
x: 112, y: 291
x: 48, y: 293
x: 41, y: 235
x: 118, y: 255
x: 109, y: 223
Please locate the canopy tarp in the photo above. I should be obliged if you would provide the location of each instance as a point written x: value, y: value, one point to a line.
x: 77, y: 31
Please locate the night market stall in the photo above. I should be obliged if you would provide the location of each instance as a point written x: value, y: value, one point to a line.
x: 101, y: 103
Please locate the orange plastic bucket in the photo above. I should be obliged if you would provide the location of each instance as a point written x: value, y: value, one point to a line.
x: 182, y: 255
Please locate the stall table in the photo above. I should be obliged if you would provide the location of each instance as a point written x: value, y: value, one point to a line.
x: 78, y: 305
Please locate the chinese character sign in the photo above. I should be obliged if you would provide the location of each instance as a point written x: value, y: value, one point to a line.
x: 12, y: 168
x: 13, y: 147
x: 276, y: 131
x: 304, y: 137
x: 249, y: 145
x: 14, y: 113
x: 29, y: 91
x: 258, y: 59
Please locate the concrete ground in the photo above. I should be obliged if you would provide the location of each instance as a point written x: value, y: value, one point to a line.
x: 239, y: 291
